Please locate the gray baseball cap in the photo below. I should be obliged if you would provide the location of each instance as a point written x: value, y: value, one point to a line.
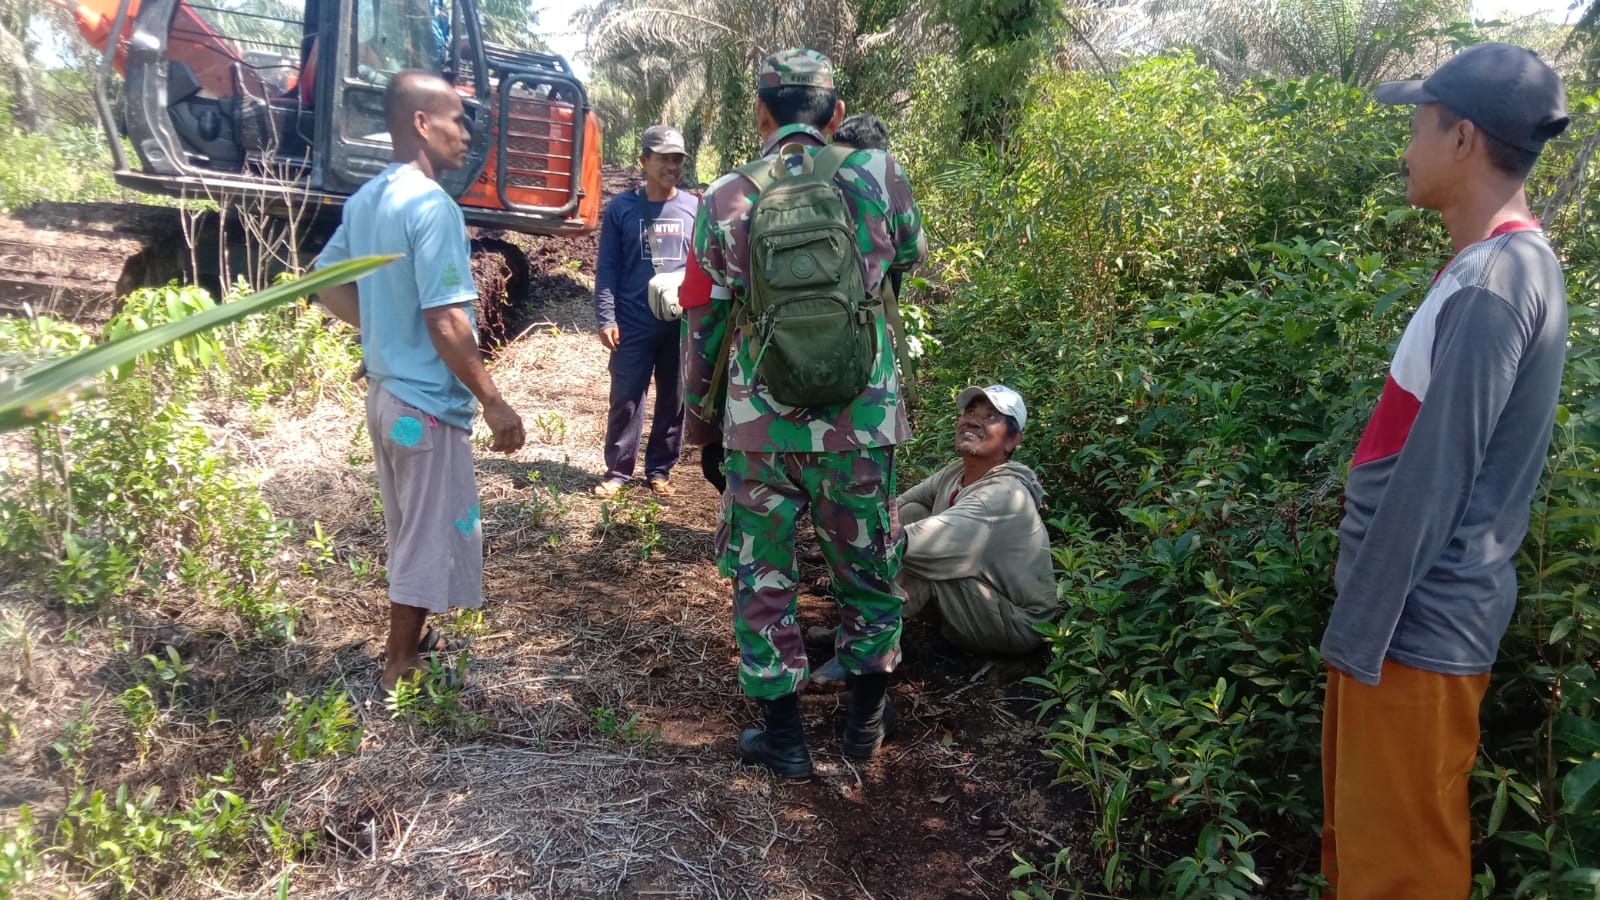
x: 663, y: 139
x: 1005, y: 401
x: 1506, y: 90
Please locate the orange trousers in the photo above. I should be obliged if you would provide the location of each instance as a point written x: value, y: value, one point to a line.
x: 1395, y: 759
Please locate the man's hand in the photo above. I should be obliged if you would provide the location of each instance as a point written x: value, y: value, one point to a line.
x: 610, y: 336
x: 506, y: 425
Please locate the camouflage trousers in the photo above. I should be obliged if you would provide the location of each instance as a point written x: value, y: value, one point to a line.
x: 851, y: 498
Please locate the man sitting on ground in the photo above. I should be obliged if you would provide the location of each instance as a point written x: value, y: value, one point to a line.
x: 974, y: 544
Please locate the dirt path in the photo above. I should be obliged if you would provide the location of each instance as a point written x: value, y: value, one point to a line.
x: 544, y: 803
x: 604, y: 673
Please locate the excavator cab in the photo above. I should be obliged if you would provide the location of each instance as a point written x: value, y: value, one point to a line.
x: 283, y: 100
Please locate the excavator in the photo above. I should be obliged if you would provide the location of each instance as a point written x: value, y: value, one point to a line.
x: 275, y: 107
x: 282, y: 100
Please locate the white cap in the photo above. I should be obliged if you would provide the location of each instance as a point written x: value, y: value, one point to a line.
x: 1002, y: 398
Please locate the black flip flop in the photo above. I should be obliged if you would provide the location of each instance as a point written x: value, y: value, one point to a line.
x: 436, y: 641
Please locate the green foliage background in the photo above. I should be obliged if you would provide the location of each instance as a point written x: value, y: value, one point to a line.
x: 71, y: 165
x: 1196, y: 282
x: 1198, y: 289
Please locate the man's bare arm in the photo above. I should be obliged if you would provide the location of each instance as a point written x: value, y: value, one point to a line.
x: 455, y: 339
x: 343, y: 301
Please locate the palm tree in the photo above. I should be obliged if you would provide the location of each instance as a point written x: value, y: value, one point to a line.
x: 511, y: 22
x: 693, y: 62
x: 15, y: 64
x: 1357, y: 41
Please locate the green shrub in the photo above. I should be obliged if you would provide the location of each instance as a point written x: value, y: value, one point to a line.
x: 130, y: 840
x: 1197, y: 293
x: 126, y: 495
x: 291, y: 355
x: 436, y: 697
x: 148, y: 307
x: 73, y: 165
x: 19, y: 854
x: 315, y: 727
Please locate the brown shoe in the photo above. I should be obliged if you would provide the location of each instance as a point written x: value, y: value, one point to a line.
x: 821, y: 635
x: 607, y: 489
x: 828, y: 678
x: 663, y: 487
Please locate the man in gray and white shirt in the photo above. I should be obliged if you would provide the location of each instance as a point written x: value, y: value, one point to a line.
x: 1438, y: 495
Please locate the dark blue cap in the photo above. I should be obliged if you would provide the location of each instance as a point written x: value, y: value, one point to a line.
x: 1506, y: 90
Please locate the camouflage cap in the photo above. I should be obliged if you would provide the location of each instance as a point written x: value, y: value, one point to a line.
x: 799, y: 66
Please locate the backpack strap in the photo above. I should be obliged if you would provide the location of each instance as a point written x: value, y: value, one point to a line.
x: 897, y: 335
x: 719, y: 367
x: 828, y: 161
x: 761, y: 173
x: 827, y: 164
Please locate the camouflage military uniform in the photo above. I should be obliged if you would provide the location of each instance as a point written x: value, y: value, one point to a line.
x: 837, y: 461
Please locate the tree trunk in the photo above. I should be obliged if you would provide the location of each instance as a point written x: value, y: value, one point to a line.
x: 1572, y: 184
x: 19, y: 71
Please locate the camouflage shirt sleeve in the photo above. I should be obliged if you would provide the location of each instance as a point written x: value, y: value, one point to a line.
x: 703, y: 327
x: 905, y: 219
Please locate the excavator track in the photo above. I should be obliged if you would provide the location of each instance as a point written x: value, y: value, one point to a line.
x: 73, y: 261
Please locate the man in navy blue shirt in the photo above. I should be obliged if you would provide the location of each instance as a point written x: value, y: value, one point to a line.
x: 643, y: 232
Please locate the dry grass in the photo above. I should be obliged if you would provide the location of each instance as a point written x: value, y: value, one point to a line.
x: 541, y: 802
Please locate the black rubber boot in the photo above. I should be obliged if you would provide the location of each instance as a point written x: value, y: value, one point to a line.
x: 782, y: 746
x: 871, y: 719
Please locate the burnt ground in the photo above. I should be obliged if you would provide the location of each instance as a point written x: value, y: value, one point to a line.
x: 595, y: 613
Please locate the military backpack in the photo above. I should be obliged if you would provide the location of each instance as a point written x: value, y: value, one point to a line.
x: 812, y: 326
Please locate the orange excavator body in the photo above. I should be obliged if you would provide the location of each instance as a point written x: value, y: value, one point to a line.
x: 536, y: 161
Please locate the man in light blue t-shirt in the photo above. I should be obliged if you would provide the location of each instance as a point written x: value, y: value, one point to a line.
x: 419, y: 337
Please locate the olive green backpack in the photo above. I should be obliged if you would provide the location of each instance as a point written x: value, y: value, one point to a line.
x: 812, y: 326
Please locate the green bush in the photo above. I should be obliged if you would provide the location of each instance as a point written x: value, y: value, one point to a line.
x: 19, y: 854
x: 291, y: 355
x: 1197, y: 293
x: 73, y: 165
x: 130, y: 840
x: 127, y: 496
x: 316, y: 727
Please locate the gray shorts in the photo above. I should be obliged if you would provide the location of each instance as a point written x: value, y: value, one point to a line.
x: 430, y: 505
